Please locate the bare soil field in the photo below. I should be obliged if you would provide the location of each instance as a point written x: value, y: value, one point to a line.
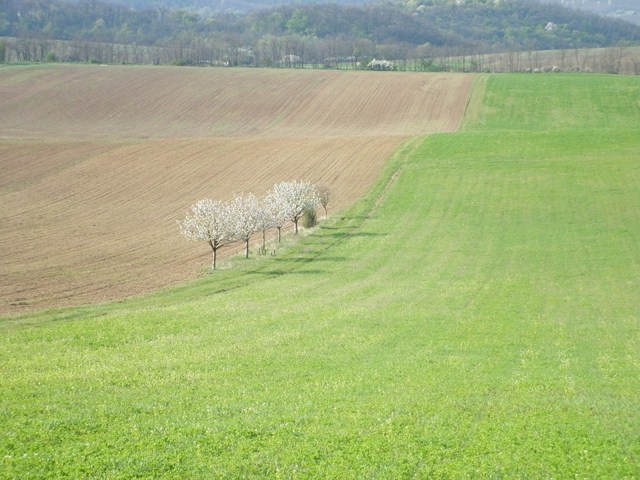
x: 98, y: 163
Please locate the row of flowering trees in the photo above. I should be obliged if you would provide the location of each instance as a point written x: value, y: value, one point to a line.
x: 221, y: 223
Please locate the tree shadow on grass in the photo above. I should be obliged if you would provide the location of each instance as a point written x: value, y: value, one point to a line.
x: 313, y: 256
x: 356, y: 234
x: 346, y: 232
x: 278, y: 272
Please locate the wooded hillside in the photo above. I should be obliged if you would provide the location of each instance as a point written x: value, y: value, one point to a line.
x: 317, y: 34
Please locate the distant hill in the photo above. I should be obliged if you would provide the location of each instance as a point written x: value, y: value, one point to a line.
x: 210, y: 7
x: 628, y: 10
x: 316, y: 34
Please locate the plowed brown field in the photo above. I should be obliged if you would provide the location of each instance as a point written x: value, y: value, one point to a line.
x: 98, y: 163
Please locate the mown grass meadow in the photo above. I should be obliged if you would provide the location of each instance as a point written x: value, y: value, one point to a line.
x: 476, y: 315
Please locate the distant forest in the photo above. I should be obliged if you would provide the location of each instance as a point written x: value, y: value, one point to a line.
x: 320, y: 35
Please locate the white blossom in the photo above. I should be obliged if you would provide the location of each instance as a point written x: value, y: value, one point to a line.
x: 293, y: 198
x: 209, y: 222
x: 381, y: 65
x: 219, y: 223
x: 245, y: 218
x: 275, y: 211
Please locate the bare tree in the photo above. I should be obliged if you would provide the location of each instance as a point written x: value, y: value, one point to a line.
x: 612, y: 59
x: 323, y: 192
x: 210, y: 221
x: 635, y: 63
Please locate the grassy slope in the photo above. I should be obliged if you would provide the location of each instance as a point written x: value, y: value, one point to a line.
x: 480, y: 321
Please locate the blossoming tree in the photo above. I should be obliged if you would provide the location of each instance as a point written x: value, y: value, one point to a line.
x: 245, y: 212
x: 209, y: 221
x: 294, y: 198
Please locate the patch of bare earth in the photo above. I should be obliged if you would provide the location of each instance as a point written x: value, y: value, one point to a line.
x: 98, y: 163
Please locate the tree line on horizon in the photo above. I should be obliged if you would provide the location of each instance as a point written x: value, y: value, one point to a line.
x: 316, y: 35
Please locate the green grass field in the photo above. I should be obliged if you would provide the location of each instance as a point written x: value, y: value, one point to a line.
x: 476, y: 315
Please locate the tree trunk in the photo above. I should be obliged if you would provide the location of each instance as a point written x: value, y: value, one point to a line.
x: 215, y: 249
x: 264, y: 241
